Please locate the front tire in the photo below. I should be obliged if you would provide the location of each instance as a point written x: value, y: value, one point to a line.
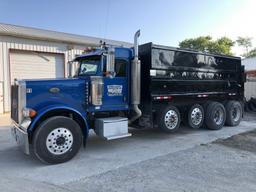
x: 169, y: 119
x: 57, y: 140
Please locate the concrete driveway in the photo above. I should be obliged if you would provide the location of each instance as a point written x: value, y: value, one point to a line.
x: 147, y: 161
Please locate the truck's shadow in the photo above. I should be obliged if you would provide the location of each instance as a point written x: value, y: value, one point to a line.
x: 96, y: 143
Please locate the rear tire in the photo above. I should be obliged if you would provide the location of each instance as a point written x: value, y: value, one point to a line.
x: 57, y: 140
x: 195, y: 116
x: 215, y: 116
x: 169, y: 119
x: 234, y: 113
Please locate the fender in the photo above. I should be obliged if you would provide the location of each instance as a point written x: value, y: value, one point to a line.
x: 47, y: 109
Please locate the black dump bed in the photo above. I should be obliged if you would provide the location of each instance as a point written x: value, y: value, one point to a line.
x: 167, y: 71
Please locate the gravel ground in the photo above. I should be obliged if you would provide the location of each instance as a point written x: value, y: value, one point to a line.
x: 190, y: 160
x: 203, y: 168
x: 245, y: 141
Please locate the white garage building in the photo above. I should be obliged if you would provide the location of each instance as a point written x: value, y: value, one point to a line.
x: 250, y: 85
x: 27, y: 53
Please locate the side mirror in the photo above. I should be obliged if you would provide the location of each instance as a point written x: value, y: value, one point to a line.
x: 110, y: 65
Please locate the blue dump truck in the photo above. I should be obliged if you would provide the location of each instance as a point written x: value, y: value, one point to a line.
x: 146, y: 86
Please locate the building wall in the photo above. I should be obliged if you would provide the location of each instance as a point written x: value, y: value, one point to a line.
x: 250, y: 85
x: 14, y: 43
x: 250, y: 89
x: 249, y: 63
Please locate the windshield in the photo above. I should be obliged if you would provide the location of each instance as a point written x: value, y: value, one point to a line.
x: 89, y: 66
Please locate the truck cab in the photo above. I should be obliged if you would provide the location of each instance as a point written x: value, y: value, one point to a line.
x: 52, y: 117
x: 108, y: 77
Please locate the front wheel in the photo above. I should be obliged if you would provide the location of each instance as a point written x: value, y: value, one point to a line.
x: 169, y: 119
x: 57, y: 140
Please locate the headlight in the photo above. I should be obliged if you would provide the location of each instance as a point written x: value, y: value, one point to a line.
x: 27, y: 112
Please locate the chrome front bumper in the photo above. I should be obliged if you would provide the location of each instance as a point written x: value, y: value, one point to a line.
x: 21, y: 138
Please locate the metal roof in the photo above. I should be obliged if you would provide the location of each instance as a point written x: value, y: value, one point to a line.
x: 42, y: 34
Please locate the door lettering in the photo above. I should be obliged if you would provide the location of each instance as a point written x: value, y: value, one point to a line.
x: 115, y: 90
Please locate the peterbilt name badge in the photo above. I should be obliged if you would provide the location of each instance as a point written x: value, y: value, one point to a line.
x: 115, y: 90
x: 54, y: 90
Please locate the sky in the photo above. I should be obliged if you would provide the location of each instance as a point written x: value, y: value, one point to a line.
x: 165, y: 22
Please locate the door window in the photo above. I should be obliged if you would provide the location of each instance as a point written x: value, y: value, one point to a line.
x: 120, y: 67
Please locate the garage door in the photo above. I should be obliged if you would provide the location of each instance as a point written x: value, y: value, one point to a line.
x: 34, y: 65
x: 1, y: 97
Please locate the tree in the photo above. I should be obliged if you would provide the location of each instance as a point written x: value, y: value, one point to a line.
x: 222, y: 45
x: 252, y: 53
x: 200, y: 43
x: 245, y: 42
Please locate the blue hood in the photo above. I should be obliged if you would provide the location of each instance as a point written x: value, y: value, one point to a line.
x: 46, y: 92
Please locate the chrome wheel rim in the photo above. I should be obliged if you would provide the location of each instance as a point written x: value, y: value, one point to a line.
x: 59, y: 141
x: 171, y: 119
x: 196, y: 116
x: 218, y: 116
x: 235, y: 113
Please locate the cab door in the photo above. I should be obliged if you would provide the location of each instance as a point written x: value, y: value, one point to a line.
x: 116, y: 87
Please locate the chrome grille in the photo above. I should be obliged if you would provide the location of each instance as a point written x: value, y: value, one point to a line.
x: 15, y: 103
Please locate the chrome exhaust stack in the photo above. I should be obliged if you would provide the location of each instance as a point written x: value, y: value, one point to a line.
x: 135, y: 80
